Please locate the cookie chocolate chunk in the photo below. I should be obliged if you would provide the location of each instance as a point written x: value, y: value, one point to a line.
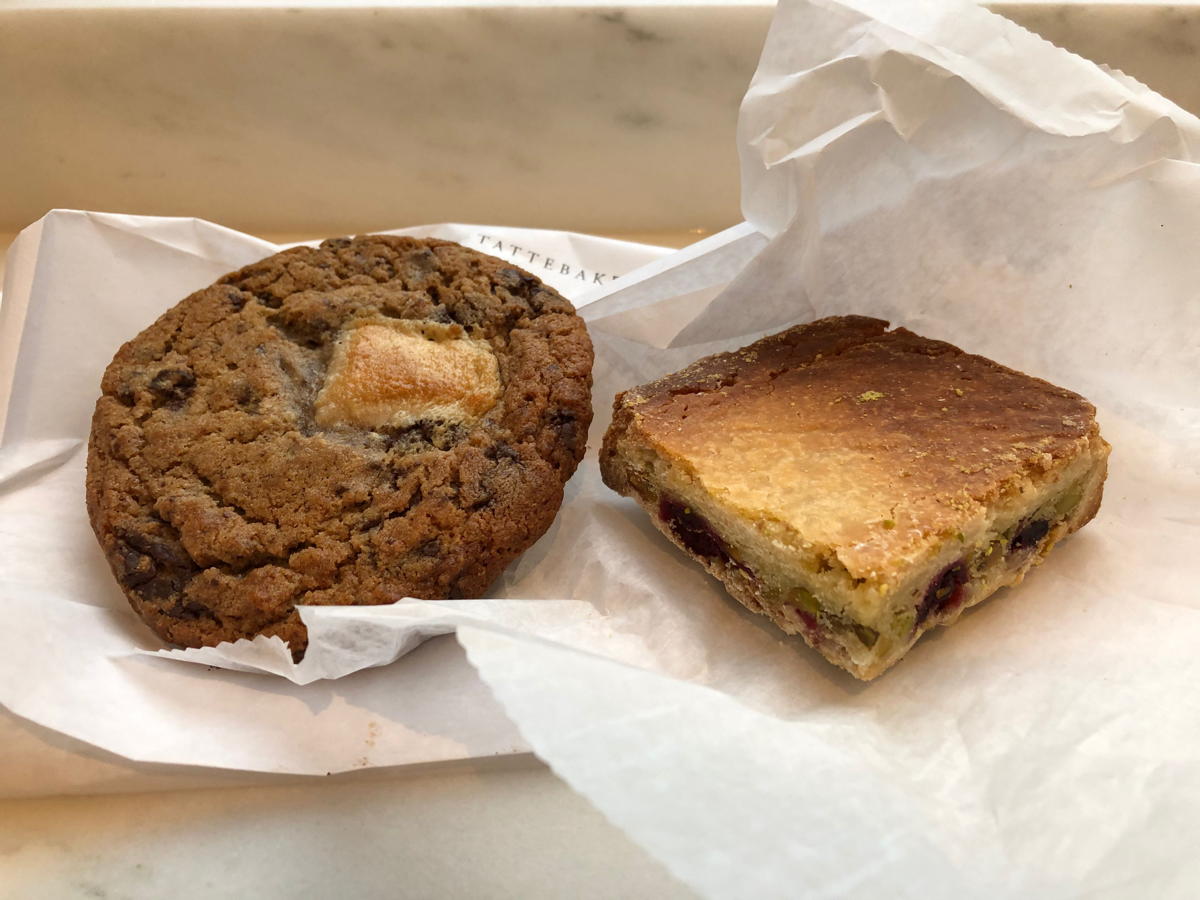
x: 371, y: 419
x: 857, y: 485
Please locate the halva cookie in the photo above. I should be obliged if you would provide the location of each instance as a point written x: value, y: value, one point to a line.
x: 355, y: 423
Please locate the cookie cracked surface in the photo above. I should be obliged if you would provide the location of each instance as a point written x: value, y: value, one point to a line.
x: 372, y: 419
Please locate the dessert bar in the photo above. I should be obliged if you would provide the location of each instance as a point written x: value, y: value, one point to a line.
x: 858, y: 485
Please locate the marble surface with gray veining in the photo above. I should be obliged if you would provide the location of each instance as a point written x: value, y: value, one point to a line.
x: 326, y: 119
x: 354, y: 118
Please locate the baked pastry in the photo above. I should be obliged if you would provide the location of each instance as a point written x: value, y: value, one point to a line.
x: 371, y: 419
x: 858, y: 485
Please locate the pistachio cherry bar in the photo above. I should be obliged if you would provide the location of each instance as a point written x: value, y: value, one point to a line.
x: 856, y: 485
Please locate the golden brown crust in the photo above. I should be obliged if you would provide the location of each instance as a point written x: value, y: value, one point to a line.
x: 796, y: 346
x: 840, y: 434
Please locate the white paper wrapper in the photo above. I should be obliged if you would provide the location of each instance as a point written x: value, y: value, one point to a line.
x: 73, y: 657
x: 935, y: 165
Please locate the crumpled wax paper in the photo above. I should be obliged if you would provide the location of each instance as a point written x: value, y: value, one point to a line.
x: 935, y: 165
x: 73, y: 656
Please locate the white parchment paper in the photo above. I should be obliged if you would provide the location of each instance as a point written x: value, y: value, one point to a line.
x: 73, y: 657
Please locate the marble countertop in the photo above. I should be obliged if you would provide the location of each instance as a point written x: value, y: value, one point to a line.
x: 510, y: 829
x: 313, y: 119
x: 330, y: 117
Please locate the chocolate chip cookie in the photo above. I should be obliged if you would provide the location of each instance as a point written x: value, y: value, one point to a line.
x: 371, y: 419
